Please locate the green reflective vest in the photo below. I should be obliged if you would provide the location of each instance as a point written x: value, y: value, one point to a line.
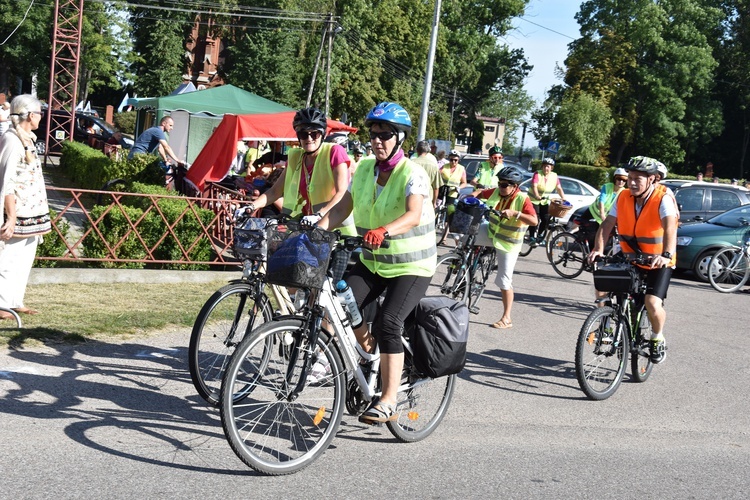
x: 608, y: 197
x: 487, y: 174
x: 412, y: 253
x: 320, y: 187
x: 507, y: 234
x: 544, y: 188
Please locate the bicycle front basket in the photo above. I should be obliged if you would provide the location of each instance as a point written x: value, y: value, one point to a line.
x: 250, y: 240
x: 617, y: 278
x: 467, y: 214
x: 298, y: 255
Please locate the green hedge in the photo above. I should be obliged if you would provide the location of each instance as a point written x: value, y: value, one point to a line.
x: 151, y: 229
x: 594, y: 176
x: 91, y: 169
x: 52, y: 244
x: 125, y: 122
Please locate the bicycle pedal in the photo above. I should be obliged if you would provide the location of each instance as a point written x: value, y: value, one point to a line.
x: 474, y: 310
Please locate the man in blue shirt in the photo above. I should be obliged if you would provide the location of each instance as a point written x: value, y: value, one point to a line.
x: 155, y: 139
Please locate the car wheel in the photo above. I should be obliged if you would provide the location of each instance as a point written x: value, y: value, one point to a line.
x: 700, y: 268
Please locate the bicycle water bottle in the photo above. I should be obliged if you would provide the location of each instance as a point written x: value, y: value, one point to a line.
x: 346, y: 296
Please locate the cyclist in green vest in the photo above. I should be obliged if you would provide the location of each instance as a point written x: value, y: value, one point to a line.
x: 390, y: 200
x: 543, y: 183
x: 506, y: 232
x: 486, y: 176
x: 608, y: 195
x: 315, y: 179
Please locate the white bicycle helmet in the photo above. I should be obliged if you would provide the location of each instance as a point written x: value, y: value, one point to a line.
x: 620, y: 172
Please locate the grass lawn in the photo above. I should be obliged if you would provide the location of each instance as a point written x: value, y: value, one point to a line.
x: 76, y: 312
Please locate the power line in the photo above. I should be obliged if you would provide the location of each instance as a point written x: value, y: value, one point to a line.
x: 546, y: 28
x: 19, y: 24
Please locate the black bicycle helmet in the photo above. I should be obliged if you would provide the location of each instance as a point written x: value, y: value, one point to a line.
x: 495, y: 150
x: 643, y: 164
x: 310, y: 119
x: 510, y: 174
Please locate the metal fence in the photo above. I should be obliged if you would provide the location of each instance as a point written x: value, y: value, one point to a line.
x: 83, y: 221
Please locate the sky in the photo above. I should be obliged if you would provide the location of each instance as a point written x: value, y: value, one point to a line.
x: 544, y: 32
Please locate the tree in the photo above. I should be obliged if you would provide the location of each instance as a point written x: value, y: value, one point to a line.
x: 583, y: 125
x: 25, y: 53
x: 652, y: 64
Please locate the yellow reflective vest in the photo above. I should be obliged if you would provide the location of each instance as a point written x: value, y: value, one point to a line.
x: 412, y: 253
x: 506, y: 234
x: 320, y: 186
x: 544, y: 188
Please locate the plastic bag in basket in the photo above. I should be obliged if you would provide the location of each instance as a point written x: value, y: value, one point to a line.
x: 300, y: 260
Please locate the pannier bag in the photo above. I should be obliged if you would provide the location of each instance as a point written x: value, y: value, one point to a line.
x: 298, y: 256
x: 618, y: 278
x: 468, y: 213
x: 440, y: 336
x: 250, y: 240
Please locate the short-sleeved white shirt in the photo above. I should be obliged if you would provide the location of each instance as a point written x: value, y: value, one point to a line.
x: 667, y: 207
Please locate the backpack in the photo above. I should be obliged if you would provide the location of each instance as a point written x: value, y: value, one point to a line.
x: 440, y: 336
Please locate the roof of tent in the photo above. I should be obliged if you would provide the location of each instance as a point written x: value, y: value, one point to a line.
x: 212, y: 164
x: 216, y: 100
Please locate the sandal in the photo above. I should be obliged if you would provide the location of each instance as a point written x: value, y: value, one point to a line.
x: 378, y: 412
x: 502, y: 325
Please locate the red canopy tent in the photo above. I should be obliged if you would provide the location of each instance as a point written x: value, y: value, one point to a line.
x: 212, y: 163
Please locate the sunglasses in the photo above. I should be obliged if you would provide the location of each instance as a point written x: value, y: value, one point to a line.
x: 312, y: 134
x: 383, y: 136
x: 454, y: 159
x: 504, y: 185
x: 497, y: 157
x: 620, y: 179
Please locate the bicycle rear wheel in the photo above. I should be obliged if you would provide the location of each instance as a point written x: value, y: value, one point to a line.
x: 478, y: 284
x: 552, y: 232
x: 640, y: 353
x: 441, y: 225
x: 601, y: 353
x: 567, y: 255
x: 271, y: 430
x: 227, y: 316
x: 451, y: 277
x: 729, y: 270
x: 422, y: 404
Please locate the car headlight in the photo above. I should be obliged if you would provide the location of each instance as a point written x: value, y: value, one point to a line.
x: 683, y: 241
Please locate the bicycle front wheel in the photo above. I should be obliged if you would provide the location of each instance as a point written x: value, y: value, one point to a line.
x: 601, y: 353
x: 551, y: 234
x: 441, y: 226
x: 567, y: 255
x: 640, y: 353
x: 450, y: 278
x: 478, y: 283
x: 227, y: 316
x: 526, y: 246
x: 421, y: 404
x: 273, y: 430
x: 729, y: 270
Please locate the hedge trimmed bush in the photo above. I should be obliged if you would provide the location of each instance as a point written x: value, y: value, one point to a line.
x: 125, y: 122
x: 91, y: 169
x: 151, y: 229
x: 52, y: 245
x: 594, y: 176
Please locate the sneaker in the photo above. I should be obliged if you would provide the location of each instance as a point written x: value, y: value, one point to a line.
x: 320, y: 372
x: 658, y: 350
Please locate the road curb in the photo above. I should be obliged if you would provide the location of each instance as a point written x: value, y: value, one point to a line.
x: 48, y: 276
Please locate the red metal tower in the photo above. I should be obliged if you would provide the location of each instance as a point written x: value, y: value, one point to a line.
x: 63, y: 82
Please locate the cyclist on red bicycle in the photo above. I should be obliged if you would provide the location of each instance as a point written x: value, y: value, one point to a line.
x: 646, y: 220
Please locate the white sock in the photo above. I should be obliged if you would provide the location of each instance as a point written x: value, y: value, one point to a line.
x: 657, y: 336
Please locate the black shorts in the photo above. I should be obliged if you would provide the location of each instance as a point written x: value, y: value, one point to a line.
x: 657, y: 281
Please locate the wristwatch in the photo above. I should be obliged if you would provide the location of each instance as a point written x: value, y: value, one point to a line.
x: 666, y: 255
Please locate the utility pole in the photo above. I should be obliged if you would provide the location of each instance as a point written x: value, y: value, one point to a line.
x: 317, y: 61
x: 453, y: 107
x: 523, y: 136
x: 332, y: 32
x: 63, y: 81
x: 428, y: 74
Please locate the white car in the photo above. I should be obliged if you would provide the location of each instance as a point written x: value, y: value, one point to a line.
x: 578, y: 193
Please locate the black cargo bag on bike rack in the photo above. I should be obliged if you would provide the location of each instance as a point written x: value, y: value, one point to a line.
x: 440, y: 336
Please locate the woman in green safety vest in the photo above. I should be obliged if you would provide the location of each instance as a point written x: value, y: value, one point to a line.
x: 390, y: 199
x: 315, y: 179
x: 543, y: 183
x: 608, y: 195
x: 506, y: 231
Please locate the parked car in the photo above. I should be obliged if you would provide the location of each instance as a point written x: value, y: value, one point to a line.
x: 578, y: 193
x: 696, y: 243
x: 87, y: 128
x: 699, y: 201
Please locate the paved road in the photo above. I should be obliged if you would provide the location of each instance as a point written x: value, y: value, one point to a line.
x: 105, y: 420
